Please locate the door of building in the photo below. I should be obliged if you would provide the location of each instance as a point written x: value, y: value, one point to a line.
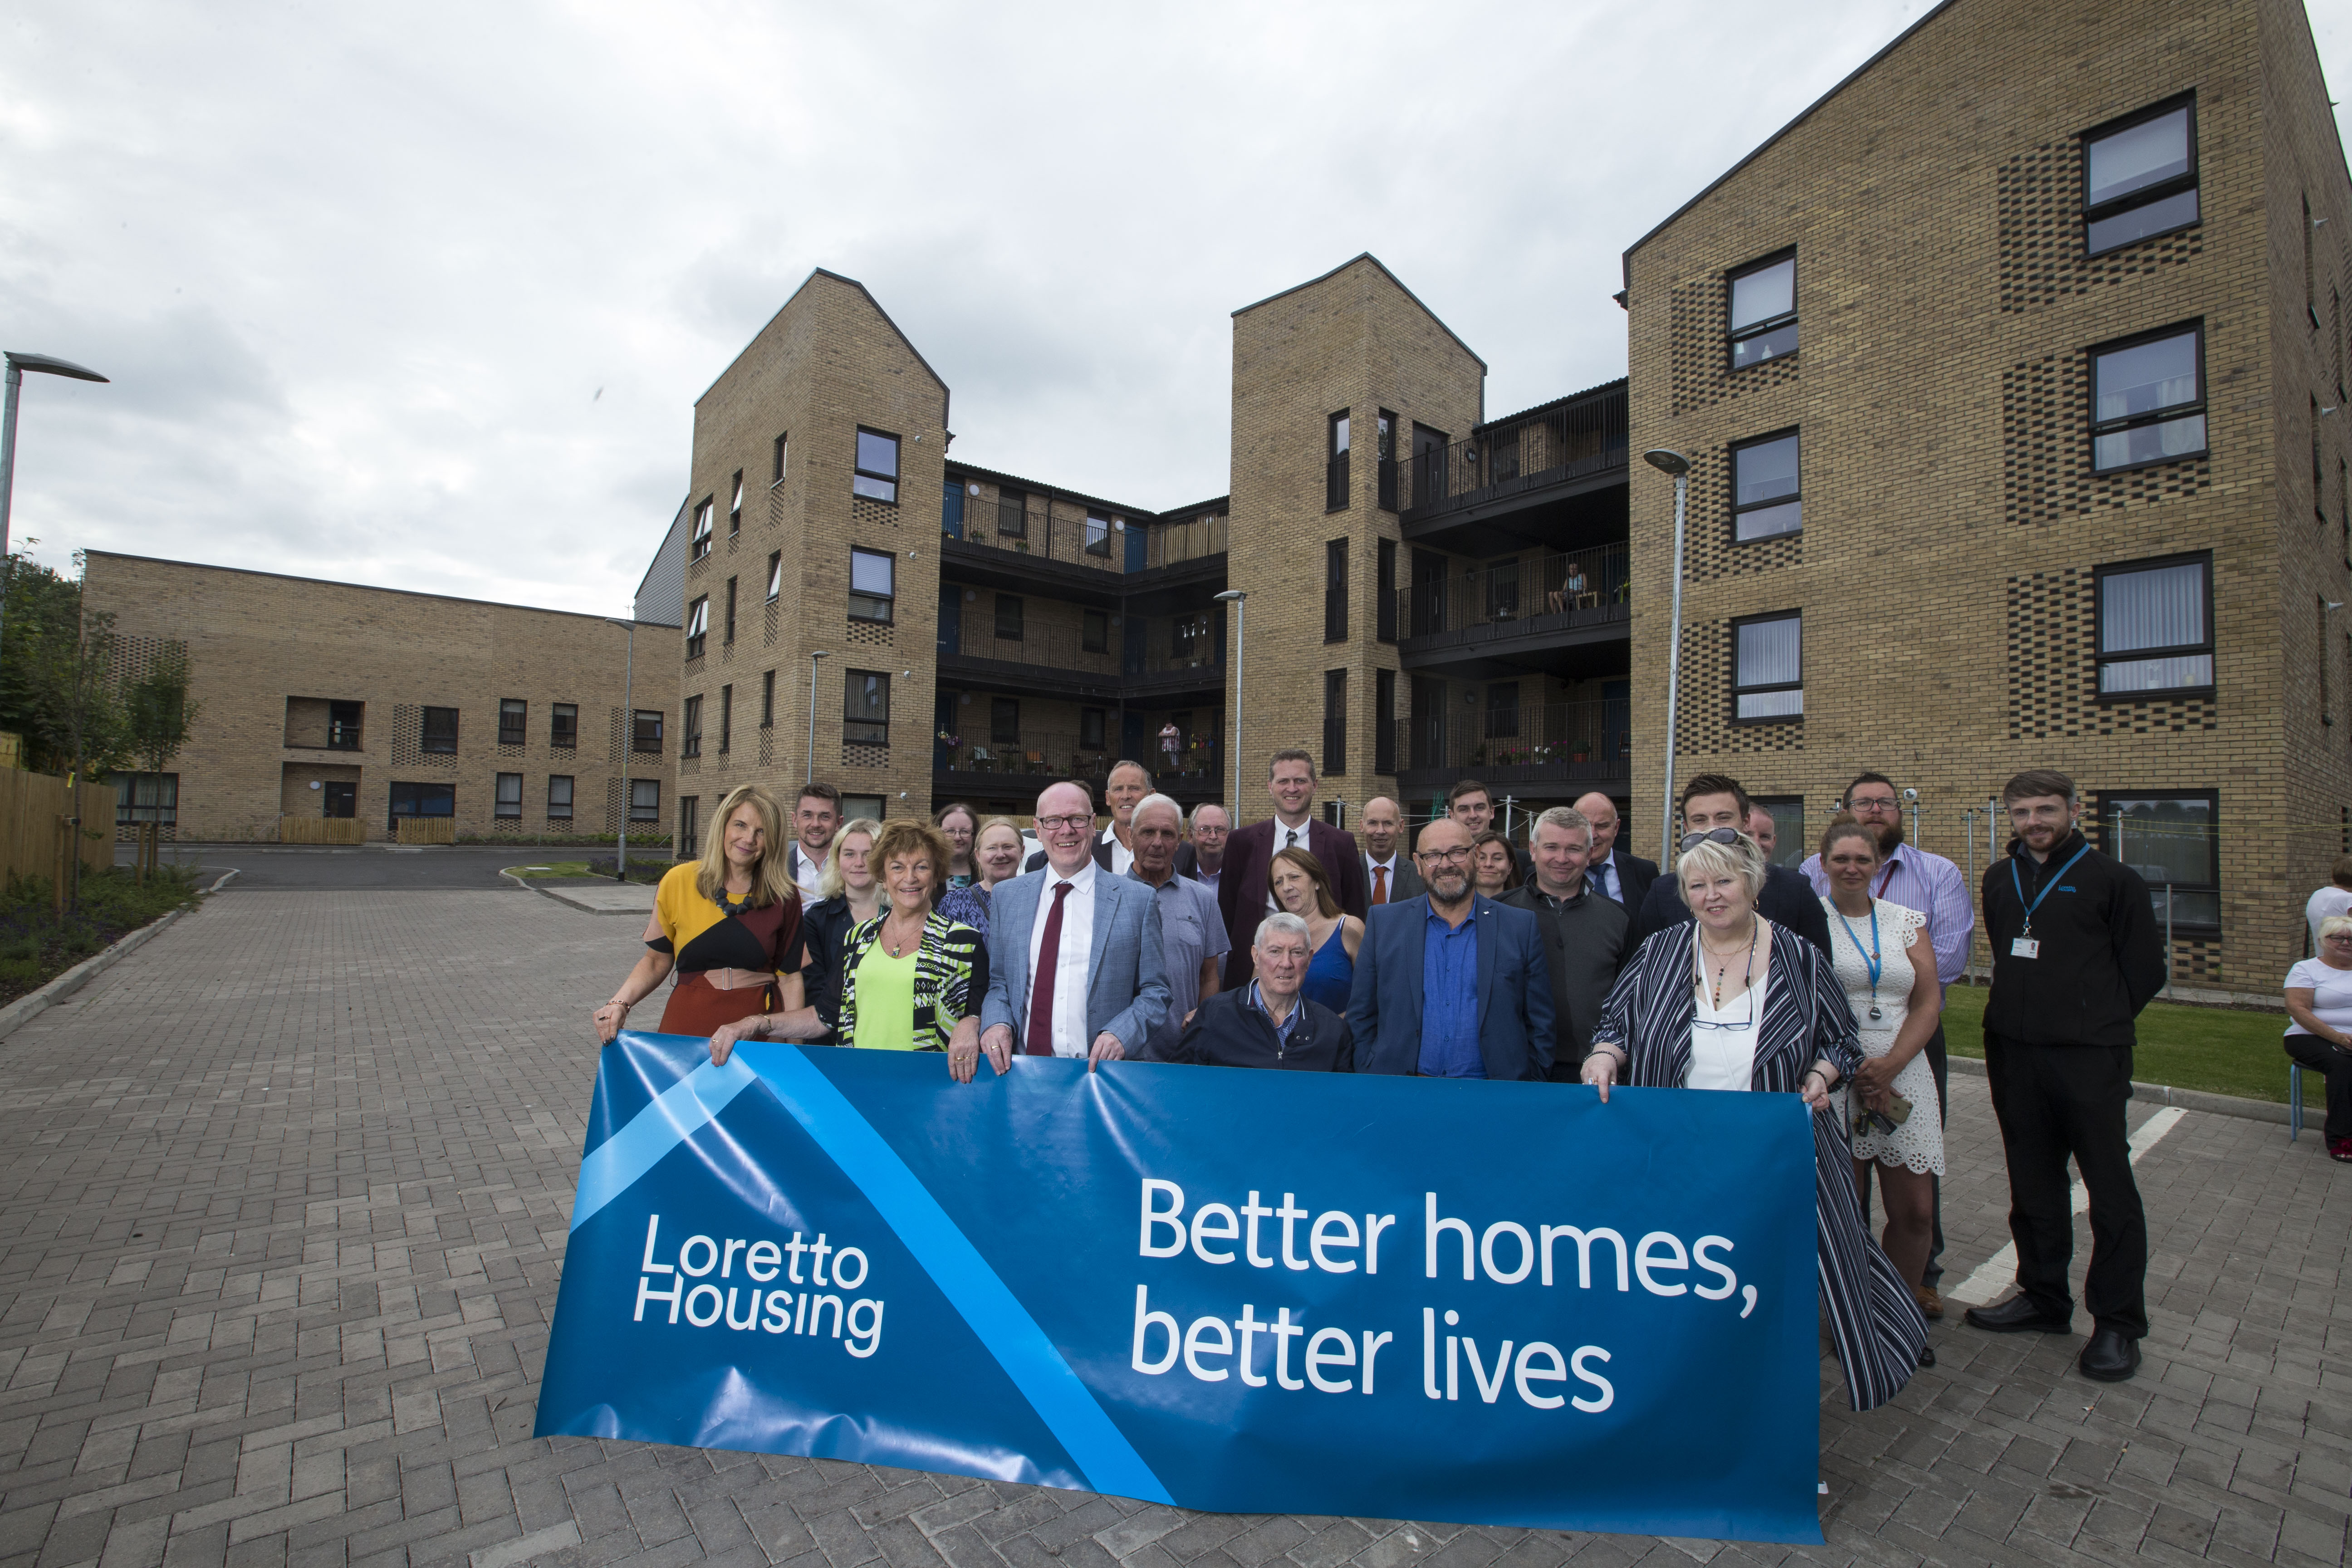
x: 341, y: 800
x: 1428, y: 722
x: 1428, y: 594
x: 951, y: 620
x: 952, y: 510
x: 1428, y: 466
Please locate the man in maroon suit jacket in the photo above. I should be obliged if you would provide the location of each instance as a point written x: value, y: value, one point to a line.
x: 1242, y: 894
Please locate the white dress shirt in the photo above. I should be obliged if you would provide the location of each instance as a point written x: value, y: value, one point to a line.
x: 1122, y: 858
x: 1389, y: 865
x: 1286, y: 838
x: 1070, y: 1036
x: 806, y: 871
x: 1603, y: 875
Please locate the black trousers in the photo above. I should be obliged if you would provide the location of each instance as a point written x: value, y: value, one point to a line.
x: 2052, y: 1101
x: 1937, y: 1063
x: 2336, y: 1063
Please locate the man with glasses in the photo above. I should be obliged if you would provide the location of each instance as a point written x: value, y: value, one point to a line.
x: 1044, y: 997
x: 1244, y: 895
x: 1911, y: 877
x: 1716, y: 806
x: 1450, y: 985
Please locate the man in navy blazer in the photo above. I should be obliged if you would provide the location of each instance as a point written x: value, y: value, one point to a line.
x: 1075, y: 967
x: 1242, y: 897
x: 1450, y: 985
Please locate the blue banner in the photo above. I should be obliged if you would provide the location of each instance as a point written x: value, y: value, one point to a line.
x: 1263, y: 1292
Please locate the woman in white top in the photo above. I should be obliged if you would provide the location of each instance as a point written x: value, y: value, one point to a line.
x: 1897, y: 1005
x: 2320, y: 1000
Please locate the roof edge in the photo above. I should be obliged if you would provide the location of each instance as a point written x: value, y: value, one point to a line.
x: 946, y: 394
x: 667, y: 534
x: 369, y: 587
x: 1368, y: 256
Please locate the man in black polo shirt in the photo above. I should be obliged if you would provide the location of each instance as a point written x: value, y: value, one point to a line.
x: 2075, y: 956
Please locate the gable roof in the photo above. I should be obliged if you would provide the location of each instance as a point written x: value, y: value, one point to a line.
x: 1368, y: 256
x: 945, y: 395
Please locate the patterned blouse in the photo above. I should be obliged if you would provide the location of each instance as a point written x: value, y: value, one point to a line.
x: 951, y: 976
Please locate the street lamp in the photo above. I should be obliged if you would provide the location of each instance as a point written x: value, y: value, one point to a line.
x: 1668, y: 461
x: 1236, y: 598
x: 19, y: 363
x: 813, y: 657
x: 628, y: 742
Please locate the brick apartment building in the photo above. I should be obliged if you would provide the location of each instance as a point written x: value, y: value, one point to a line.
x: 332, y: 700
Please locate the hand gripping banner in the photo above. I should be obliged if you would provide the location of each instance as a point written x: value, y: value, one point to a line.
x: 1264, y: 1292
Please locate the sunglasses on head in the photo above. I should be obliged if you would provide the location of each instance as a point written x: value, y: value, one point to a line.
x: 1712, y: 835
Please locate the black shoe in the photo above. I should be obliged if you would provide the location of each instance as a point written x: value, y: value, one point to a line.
x: 2018, y: 1315
x: 2110, y: 1357
x: 1926, y: 1355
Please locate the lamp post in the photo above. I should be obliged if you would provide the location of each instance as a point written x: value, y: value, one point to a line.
x: 19, y: 363
x: 1668, y: 461
x: 1238, y: 600
x: 628, y: 742
x: 813, y: 657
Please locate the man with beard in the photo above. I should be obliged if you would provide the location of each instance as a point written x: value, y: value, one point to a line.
x: 1450, y: 985
x: 1935, y: 887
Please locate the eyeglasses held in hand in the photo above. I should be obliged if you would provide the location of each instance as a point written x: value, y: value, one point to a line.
x: 1712, y: 835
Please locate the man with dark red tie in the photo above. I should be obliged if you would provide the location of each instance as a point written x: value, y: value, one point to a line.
x: 1244, y: 896
x: 1389, y: 876
x: 1076, y: 967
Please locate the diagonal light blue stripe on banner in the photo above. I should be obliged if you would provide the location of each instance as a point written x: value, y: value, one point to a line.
x: 681, y: 1110
x: 997, y: 1317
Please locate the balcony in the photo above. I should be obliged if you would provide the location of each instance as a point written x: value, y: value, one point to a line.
x: 1023, y: 767
x: 1141, y: 656
x: 1586, y: 745
x: 1566, y: 613
x: 1034, y: 551
x: 1555, y: 453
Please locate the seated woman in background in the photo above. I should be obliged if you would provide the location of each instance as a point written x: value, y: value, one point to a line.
x: 2320, y: 1000
x: 729, y: 926
x: 1493, y: 863
x: 1301, y: 886
x: 850, y: 897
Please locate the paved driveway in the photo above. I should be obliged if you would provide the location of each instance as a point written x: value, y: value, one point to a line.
x: 282, y: 1208
x: 375, y: 867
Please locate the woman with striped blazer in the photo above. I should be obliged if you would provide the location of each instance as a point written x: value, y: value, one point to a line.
x: 1733, y: 1001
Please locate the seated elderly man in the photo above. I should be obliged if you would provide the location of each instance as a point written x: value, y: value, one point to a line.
x: 1267, y: 1024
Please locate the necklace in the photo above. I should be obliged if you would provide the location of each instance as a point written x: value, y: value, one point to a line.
x: 1871, y: 959
x: 899, y: 948
x: 1699, y: 943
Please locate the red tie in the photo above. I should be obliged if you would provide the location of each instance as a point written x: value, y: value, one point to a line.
x: 1380, y: 884
x: 1040, y: 988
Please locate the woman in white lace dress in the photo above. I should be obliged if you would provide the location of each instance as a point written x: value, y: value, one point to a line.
x: 1896, y: 1003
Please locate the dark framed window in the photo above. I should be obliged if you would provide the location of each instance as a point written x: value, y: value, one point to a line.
x: 702, y: 514
x: 726, y: 718
x: 645, y: 730
x: 1764, y: 488
x: 147, y: 797
x: 1386, y: 450
x: 728, y: 639
x: 1188, y: 636
x: 1091, y: 729
x: 645, y: 800
x: 506, y: 801
x: 873, y: 585
x: 2148, y: 399
x: 1335, y: 591
x: 1095, y: 631
x: 775, y: 575
x: 1335, y: 465
x: 1008, y: 617
x: 1334, y: 722
x: 697, y: 625
x: 877, y: 465
x: 344, y: 725
x: 768, y: 701
x: 1012, y: 513
x: 689, y: 815
x: 559, y: 797
x: 563, y: 726
x: 2156, y: 626
x: 2172, y: 838
x: 865, y: 707
x: 735, y: 506
x: 1003, y: 721
x: 1768, y: 668
x: 440, y: 732
x: 1384, y: 590
x: 514, y: 720
x: 1762, y: 305
x: 873, y: 807
x: 776, y: 463
x: 1384, y: 749
x: 422, y: 800
x: 1502, y: 709
x: 2140, y: 175
x: 1097, y: 534
x: 690, y: 729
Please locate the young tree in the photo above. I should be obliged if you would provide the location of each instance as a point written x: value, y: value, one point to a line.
x: 158, y: 716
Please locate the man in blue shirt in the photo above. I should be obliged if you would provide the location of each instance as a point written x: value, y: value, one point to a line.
x: 1450, y: 985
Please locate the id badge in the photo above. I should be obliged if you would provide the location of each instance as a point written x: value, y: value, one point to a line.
x: 2025, y: 947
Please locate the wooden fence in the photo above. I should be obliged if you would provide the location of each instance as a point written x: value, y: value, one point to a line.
x: 428, y: 830
x: 32, y: 807
x: 322, y: 830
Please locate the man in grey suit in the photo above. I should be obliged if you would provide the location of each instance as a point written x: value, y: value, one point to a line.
x: 1390, y: 876
x: 1076, y: 967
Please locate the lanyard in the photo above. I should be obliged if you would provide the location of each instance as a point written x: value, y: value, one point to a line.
x: 1884, y: 877
x: 2019, y: 882
x: 1872, y: 958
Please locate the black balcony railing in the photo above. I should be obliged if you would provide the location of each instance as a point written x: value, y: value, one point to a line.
x: 1137, y: 645
x: 1552, y: 444
x: 1552, y: 593
x: 1060, y: 755
x: 1335, y: 482
x: 1530, y: 743
x: 1130, y: 545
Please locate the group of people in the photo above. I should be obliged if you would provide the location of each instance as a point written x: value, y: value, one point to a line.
x: 1291, y: 943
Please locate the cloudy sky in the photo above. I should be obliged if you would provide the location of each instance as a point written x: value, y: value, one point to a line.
x: 422, y: 295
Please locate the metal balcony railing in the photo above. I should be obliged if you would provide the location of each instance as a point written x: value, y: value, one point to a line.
x: 1059, y: 534
x: 1535, y: 741
x: 1553, y: 593
x: 1060, y: 755
x: 1559, y: 442
x: 1154, y: 647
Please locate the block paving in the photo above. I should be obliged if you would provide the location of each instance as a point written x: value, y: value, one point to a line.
x: 283, y: 1207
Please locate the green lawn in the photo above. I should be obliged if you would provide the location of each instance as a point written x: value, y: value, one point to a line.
x: 2216, y: 1049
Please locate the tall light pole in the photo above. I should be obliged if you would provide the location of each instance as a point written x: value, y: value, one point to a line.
x: 813, y: 657
x: 628, y: 742
x: 1237, y: 599
x: 1668, y: 461
x: 19, y: 363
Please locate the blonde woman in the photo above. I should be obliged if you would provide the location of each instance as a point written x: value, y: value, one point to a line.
x: 997, y: 852
x: 850, y: 895
x: 728, y: 925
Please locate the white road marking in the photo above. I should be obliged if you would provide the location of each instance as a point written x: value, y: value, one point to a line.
x: 2000, y: 1271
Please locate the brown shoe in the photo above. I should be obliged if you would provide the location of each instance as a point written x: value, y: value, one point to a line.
x: 1929, y: 1302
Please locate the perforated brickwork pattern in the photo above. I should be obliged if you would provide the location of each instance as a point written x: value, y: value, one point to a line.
x: 2040, y: 195
x: 1710, y: 552
x: 2046, y: 451
x: 2053, y: 673
x: 1701, y: 349
x: 859, y: 756
x: 871, y: 633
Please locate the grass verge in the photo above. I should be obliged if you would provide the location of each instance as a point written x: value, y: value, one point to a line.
x: 2219, y: 1050
x: 35, y: 947
x: 600, y: 868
